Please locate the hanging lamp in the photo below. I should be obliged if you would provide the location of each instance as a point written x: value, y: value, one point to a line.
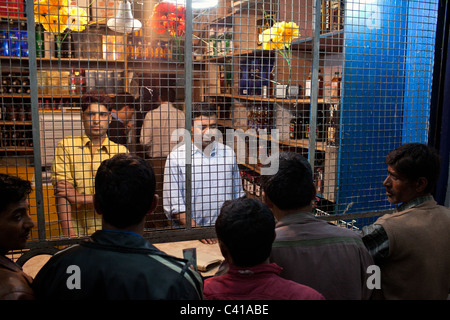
x: 124, y: 22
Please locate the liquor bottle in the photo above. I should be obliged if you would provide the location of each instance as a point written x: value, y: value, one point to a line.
x: 40, y: 46
x: 6, y: 83
x: 167, y: 51
x: 158, y: 51
x: 139, y: 51
x: 73, y: 88
x: 220, y: 42
x: 15, y: 85
x: 320, y: 83
x: 336, y: 86
x: 332, y: 126
x: 82, y: 81
x: 295, y: 128
x: 130, y: 49
x: 308, y: 86
x: 26, y: 84
x: 228, y: 41
x: 212, y: 43
x: 6, y: 137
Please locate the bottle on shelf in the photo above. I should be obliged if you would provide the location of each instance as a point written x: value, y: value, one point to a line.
x: 220, y: 39
x: 82, y: 81
x: 167, y: 51
x: 159, y: 53
x: 336, y: 86
x: 228, y: 41
x: 15, y: 85
x: 26, y: 84
x: 320, y: 85
x: 40, y: 45
x: 73, y: 87
x: 6, y: 137
x: 6, y: 83
x: 308, y: 86
x: 296, y: 127
x: 332, y: 125
x: 212, y: 44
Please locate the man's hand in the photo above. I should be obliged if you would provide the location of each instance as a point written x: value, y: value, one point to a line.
x: 181, y: 217
x: 209, y: 241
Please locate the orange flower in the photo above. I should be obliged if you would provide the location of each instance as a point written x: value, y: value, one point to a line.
x: 168, y: 17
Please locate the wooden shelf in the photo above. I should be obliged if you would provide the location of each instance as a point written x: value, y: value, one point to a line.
x: 261, y: 99
x: 298, y: 143
x: 14, y: 149
x: 15, y: 123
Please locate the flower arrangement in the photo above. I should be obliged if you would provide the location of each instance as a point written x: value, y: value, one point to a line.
x: 279, y: 37
x: 56, y: 16
x: 170, y: 18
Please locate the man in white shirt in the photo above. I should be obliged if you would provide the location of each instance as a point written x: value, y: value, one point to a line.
x: 215, y: 175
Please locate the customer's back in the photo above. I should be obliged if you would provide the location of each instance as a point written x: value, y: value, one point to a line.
x: 117, y: 262
x: 328, y: 258
x: 116, y: 266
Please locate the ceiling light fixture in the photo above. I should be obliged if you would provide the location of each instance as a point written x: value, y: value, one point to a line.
x: 124, y: 22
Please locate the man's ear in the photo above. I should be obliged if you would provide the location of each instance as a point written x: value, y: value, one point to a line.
x: 154, y: 203
x: 421, y: 184
x: 96, y: 206
x: 224, y: 251
x: 266, y: 200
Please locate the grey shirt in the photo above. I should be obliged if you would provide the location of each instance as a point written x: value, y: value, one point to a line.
x: 331, y: 259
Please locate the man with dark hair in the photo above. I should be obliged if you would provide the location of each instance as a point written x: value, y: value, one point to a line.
x: 15, y: 228
x: 412, y: 245
x: 117, y: 262
x: 328, y: 258
x: 121, y: 118
x: 246, y: 229
x: 75, y: 164
x: 215, y: 173
x: 155, y: 136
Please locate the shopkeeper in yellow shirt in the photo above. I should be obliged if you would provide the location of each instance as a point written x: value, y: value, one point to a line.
x: 75, y: 166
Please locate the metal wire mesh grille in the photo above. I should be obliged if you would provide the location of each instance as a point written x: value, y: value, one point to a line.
x: 351, y: 82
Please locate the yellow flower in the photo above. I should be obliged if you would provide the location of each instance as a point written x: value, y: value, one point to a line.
x: 52, y: 23
x: 77, y: 19
x: 279, y: 36
x: 52, y: 14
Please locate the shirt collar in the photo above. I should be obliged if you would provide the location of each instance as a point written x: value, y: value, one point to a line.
x: 85, y: 141
x: 197, y: 150
x: 414, y: 202
x: 298, y: 217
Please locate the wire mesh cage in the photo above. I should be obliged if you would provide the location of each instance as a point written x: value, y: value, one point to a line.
x: 340, y: 82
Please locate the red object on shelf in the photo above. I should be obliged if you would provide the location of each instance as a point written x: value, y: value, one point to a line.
x: 12, y: 8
